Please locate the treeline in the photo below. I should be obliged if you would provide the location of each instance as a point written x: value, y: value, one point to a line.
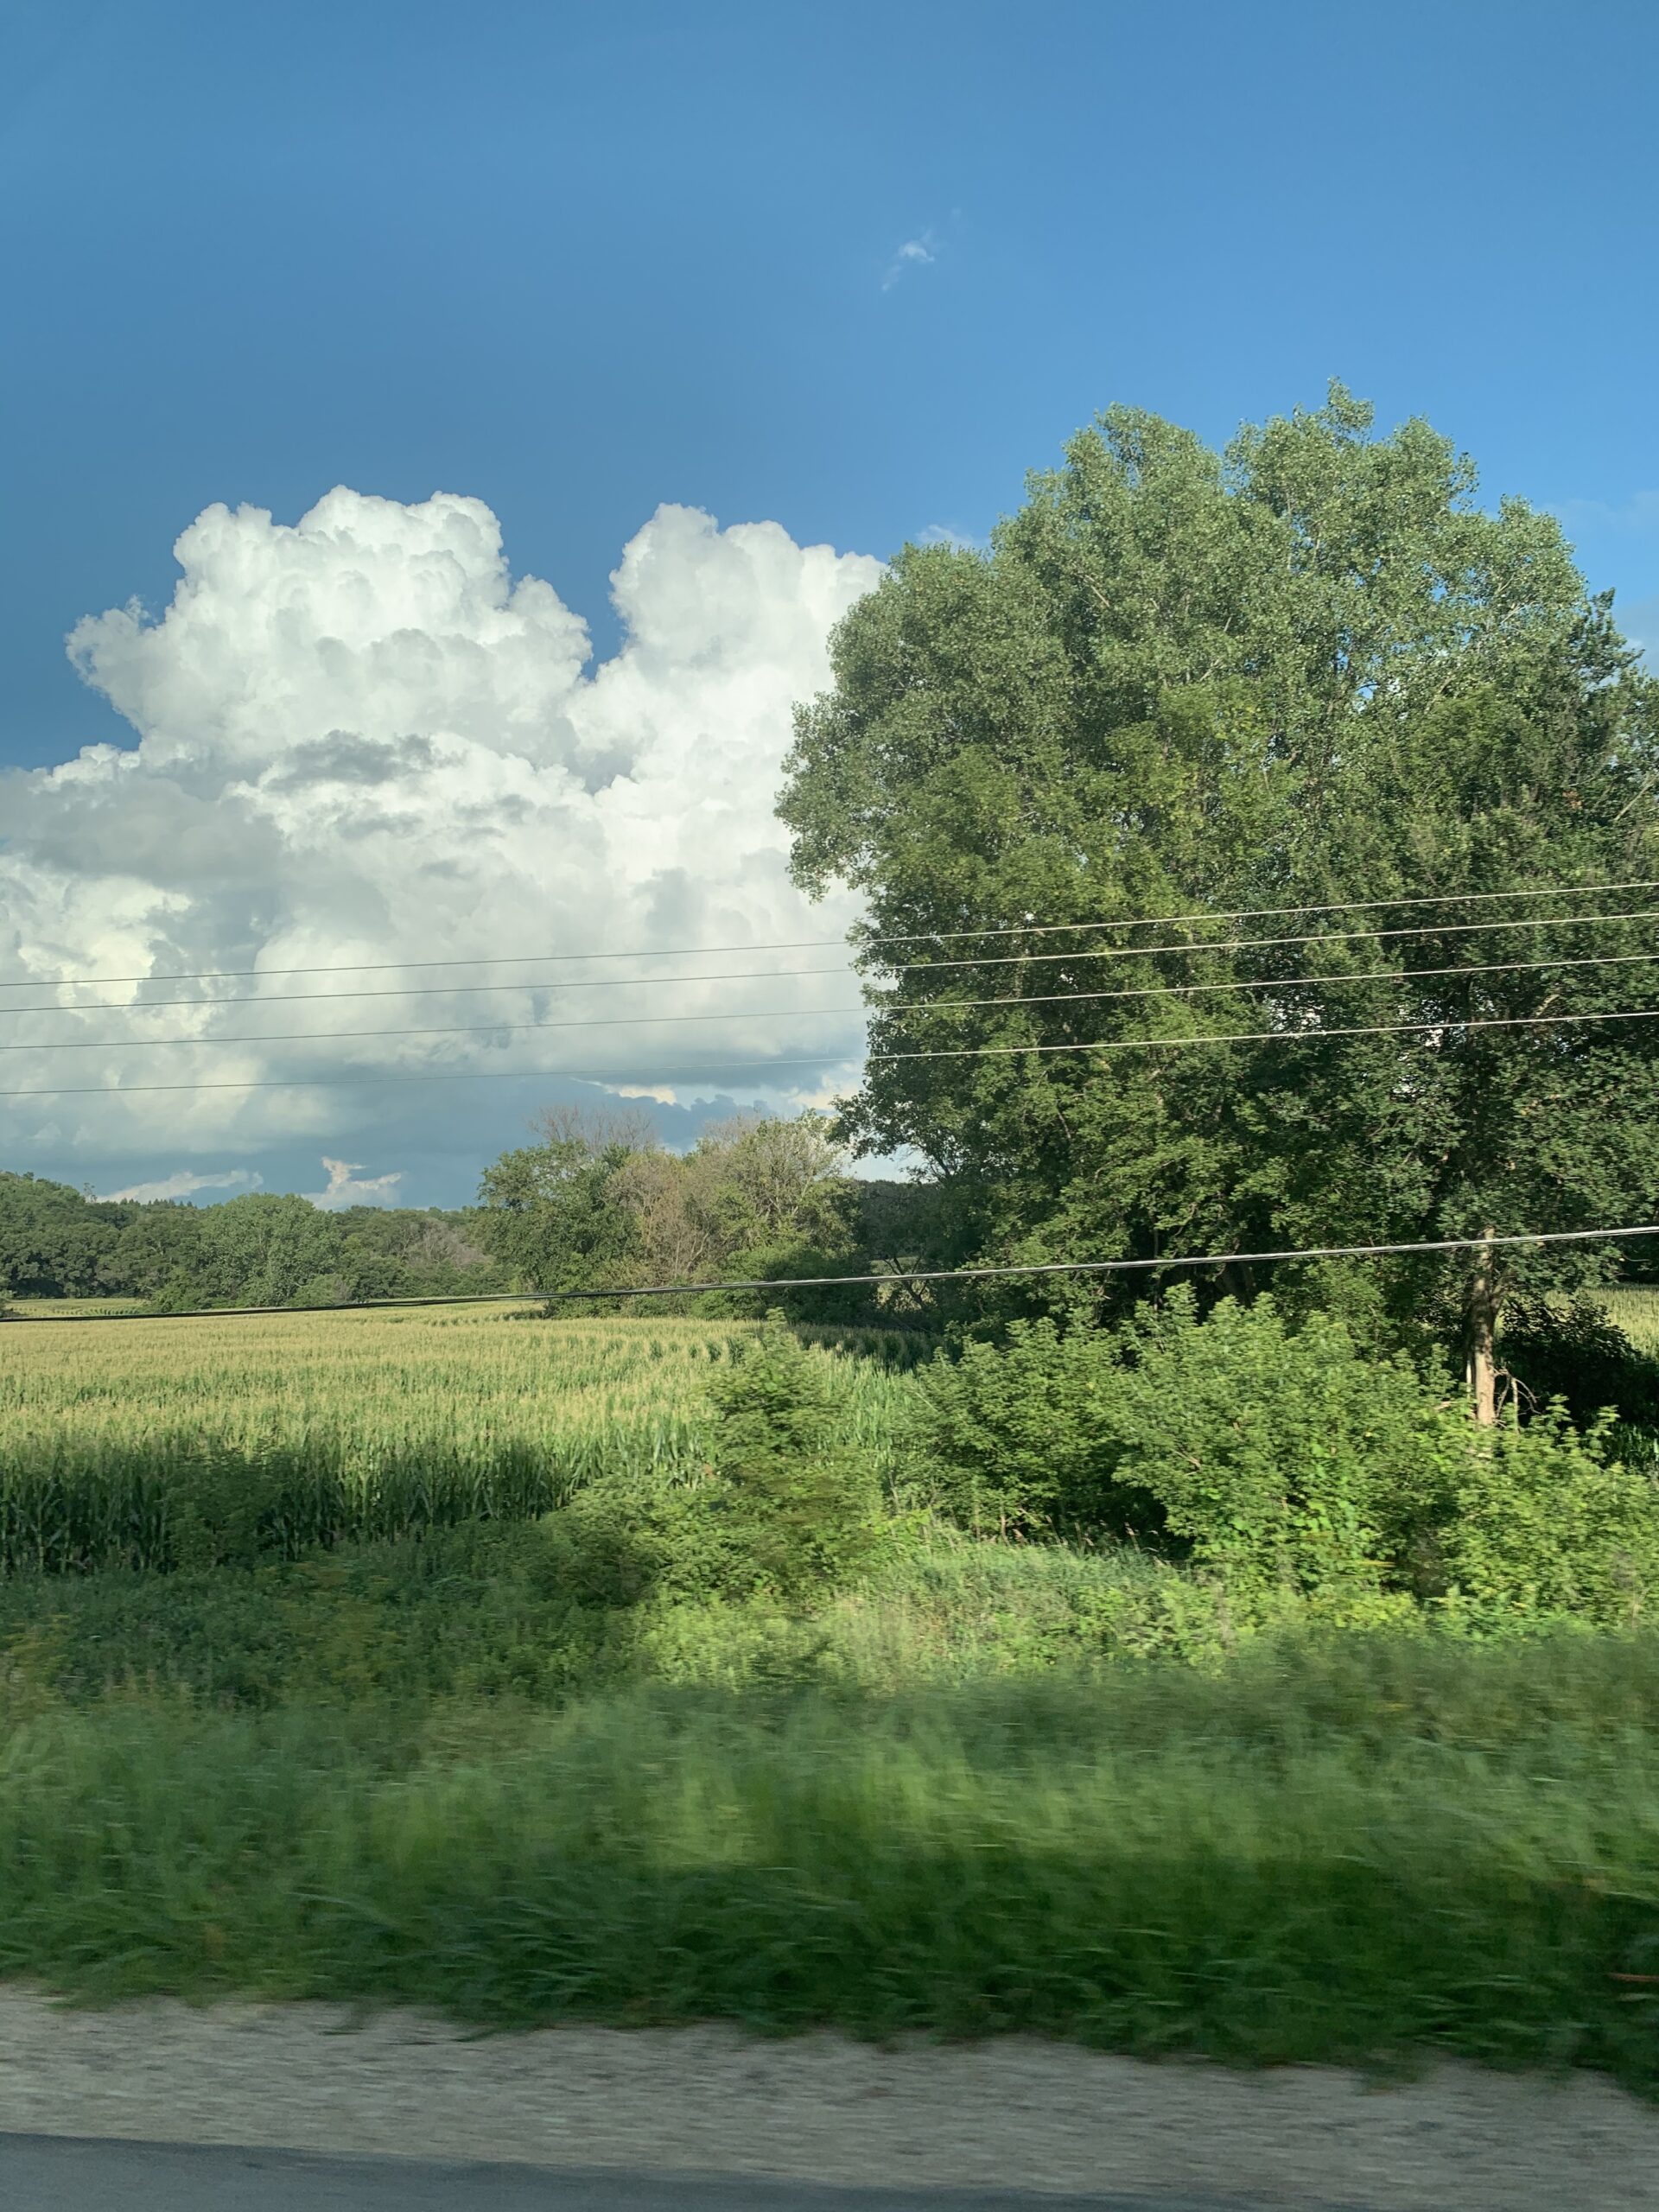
x: 598, y: 1203
x: 595, y: 1203
x: 258, y: 1249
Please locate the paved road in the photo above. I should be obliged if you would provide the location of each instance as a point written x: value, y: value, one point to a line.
x: 48, y: 2173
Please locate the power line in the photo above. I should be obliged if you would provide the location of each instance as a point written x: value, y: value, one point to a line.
x: 804, y: 944
x: 438, y: 991
x: 1119, y: 1266
x: 1256, y: 944
x: 701, y: 1070
x: 904, y: 967
x: 897, y: 1276
x: 1275, y: 1036
x: 896, y: 1009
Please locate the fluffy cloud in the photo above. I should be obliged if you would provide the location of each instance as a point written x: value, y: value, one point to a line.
x: 363, y: 741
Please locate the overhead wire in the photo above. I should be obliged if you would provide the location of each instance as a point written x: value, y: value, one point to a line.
x: 901, y: 1010
x: 1122, y: 1267
x: 801, y: 944
x: 903, y: 967
x: 701, y: 1070
x: 899, y: 1276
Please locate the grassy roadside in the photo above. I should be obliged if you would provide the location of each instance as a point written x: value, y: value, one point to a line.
x: 416, y: 1748
x: 1356, y: 1851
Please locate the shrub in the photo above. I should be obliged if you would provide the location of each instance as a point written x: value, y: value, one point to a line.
x: 1014, y: 1437
x: 1544, y: 1521
x: 1281, y: 1457
x: 783, y: 1507
x: 219, y: 1509
x: 1271, y: 1455
x: 799, y: 1505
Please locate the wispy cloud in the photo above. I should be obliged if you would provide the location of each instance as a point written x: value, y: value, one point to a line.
x: 944, y: 533
x: 1640, y: 512
x: 184, y: 1185
x: 1640, y: 623
x: 918, y: 252
x: 347, y: 1188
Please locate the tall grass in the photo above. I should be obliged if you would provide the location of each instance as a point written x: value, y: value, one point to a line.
x: 1379, y: 1852
x: 416, y: 1768
x: 352, y: 1425
x: 1635, y: 1310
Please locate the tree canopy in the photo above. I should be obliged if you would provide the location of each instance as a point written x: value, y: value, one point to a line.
x: 598, y: 1203
x: 1187, y: 685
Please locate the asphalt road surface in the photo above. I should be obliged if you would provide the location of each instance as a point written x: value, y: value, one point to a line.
x: 46, y: 2173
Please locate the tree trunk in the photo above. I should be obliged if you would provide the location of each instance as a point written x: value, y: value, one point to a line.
x: 1480, y: 1336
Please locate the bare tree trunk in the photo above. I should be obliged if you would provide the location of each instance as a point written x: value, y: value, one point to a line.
x: 1480, y: 1335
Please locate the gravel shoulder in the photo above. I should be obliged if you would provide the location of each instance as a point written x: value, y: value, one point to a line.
x: 1010, y: 2114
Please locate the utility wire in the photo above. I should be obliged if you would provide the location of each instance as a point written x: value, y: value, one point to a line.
x: 438, y: 991
x: 895, y: 1009
x: 804, y: 944
x: 1255, y: 943
x: 702, y: 1070
x: 898, y: 1275
x: 1117, y: 1266
x: 904, y: 967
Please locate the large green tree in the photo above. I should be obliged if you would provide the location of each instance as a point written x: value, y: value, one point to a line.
x: 1183, y: 683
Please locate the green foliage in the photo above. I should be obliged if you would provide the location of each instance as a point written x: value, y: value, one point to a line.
x: 1278, y: 1459
x: 1014, y: 1437
x: 1310, y: 669
x: 598, y: 1204
x: 801, y: 1504
x: 575, y: 1670
x: 54, y: 1241
x: 1543, y: 1523
x: 219, y: 1510
x: 1272, y: 1456
x: 258, y: 1249
x: 548, y: 1211
x: 784, y: 1506
x: 1280, y: 1456
x: 1356, y: 1855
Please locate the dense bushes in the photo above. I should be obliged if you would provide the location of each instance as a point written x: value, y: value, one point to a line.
x: 1543, y: 1523
x: 1279, y: 1460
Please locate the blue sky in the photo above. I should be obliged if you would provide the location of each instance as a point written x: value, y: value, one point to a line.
x: 851, y: 271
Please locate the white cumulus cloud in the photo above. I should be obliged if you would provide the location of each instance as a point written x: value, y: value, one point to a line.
x: 363, y: 741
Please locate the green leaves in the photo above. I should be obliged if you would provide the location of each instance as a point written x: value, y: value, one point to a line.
x: 1283, y: 1462
x: 1311, y: 668
x: 784, y: 1508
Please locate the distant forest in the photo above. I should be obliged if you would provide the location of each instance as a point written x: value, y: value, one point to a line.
x: 260, y: 1249
x: 595, y: 1203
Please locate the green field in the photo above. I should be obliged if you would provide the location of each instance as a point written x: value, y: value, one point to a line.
x: 372, y: 1422
x: 392, y: 1754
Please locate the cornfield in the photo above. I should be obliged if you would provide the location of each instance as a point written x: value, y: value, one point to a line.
x: 354, y: 1424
